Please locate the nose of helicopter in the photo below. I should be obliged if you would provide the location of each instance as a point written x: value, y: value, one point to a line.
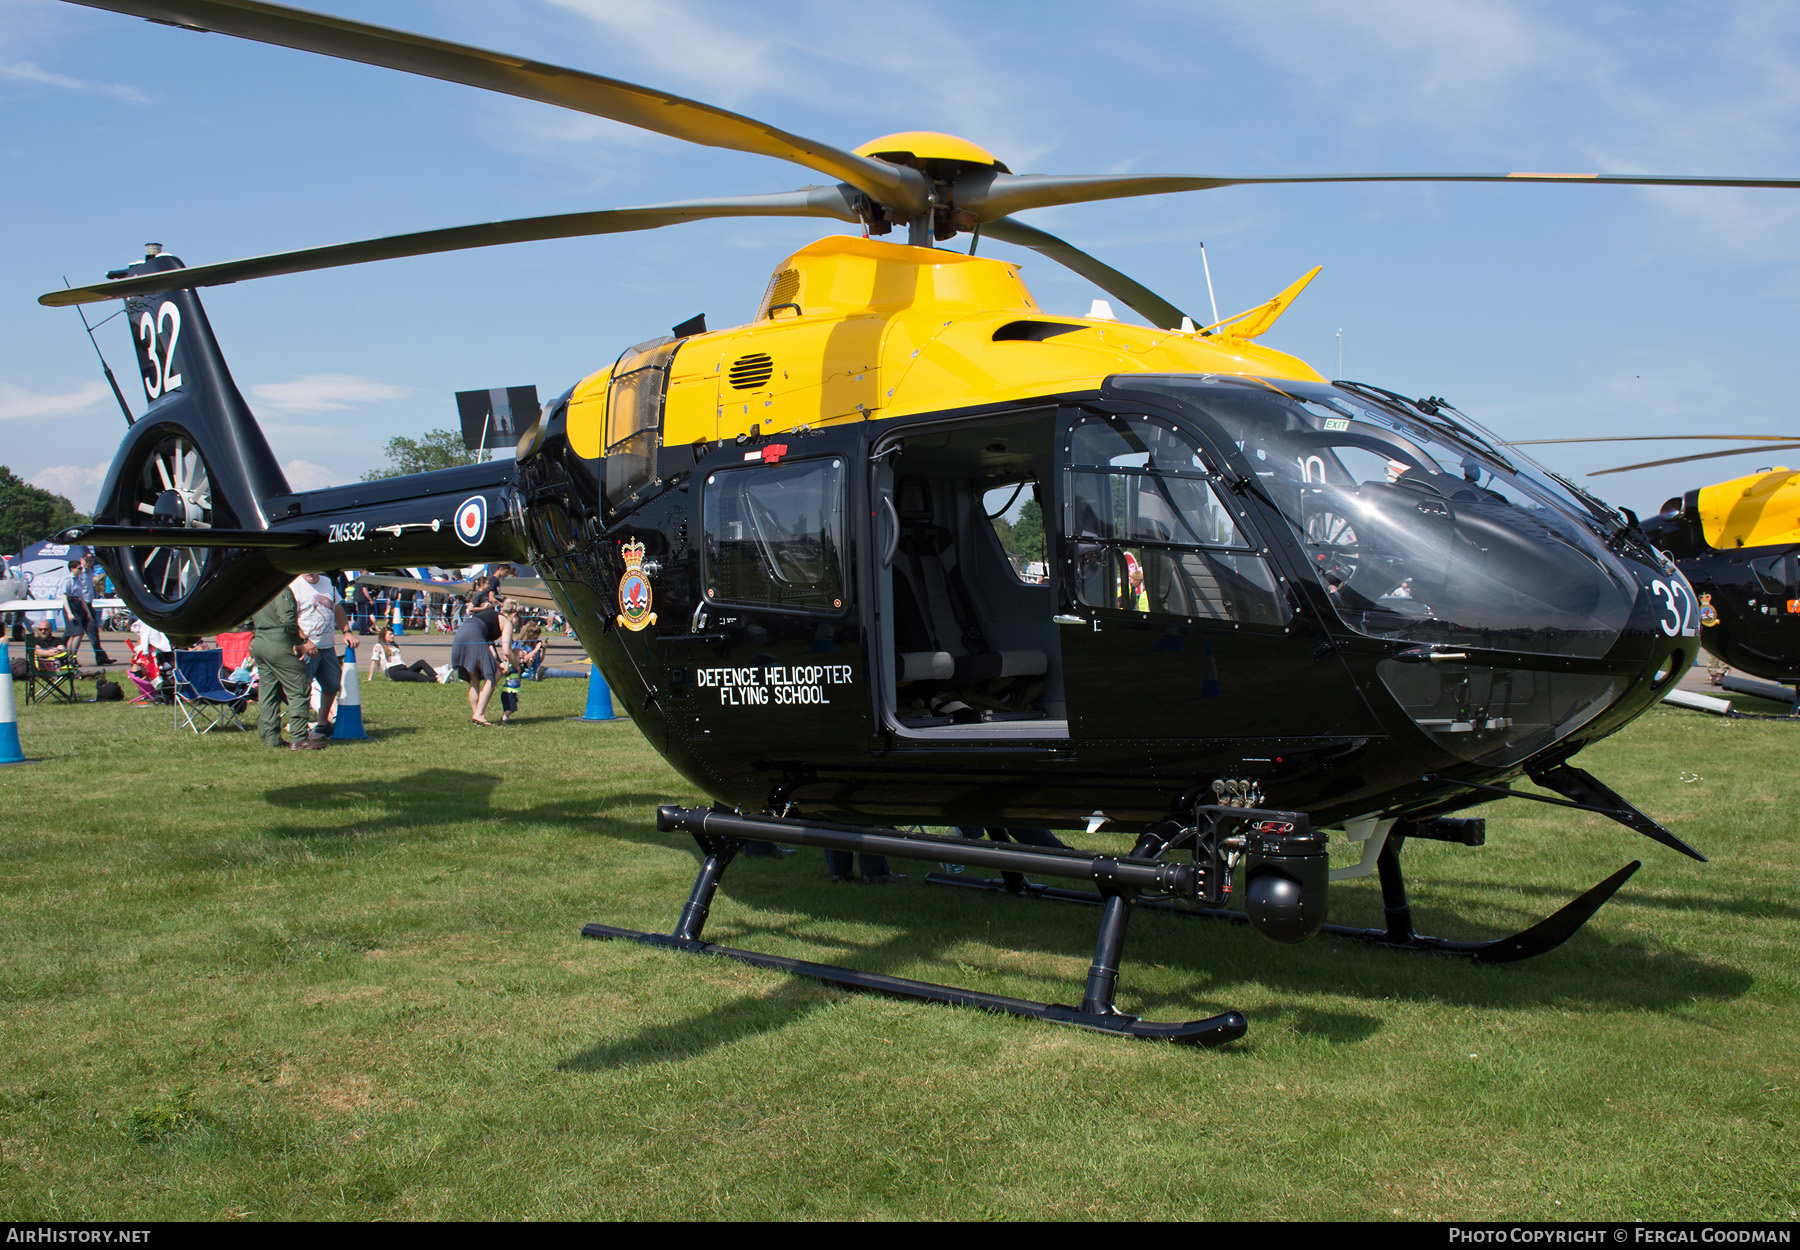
x: 1659, y: 642
x: 1490, y: 701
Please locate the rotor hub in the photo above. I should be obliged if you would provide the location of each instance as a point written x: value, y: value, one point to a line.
x: 933, y: 154
x: 178, y: 509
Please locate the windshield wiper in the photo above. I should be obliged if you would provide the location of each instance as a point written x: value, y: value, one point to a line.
x: 1431, y: 413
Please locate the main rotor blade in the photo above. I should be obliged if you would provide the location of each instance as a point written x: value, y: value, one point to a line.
x: 658, y: 111
x: 1145, y: 302
x: 1705, y: 455
x: 810, y: 202
x: 1655, y: 438
x: 989, y: 194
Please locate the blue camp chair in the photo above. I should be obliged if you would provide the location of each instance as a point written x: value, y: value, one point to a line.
x: 203, y: 699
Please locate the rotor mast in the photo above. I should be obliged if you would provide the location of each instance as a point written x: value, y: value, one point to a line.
x: 941, y: 161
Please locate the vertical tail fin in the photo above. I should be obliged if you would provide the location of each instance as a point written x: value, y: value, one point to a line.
x: 187, y: 383
x: 195, y: 475
x: 195, y: 460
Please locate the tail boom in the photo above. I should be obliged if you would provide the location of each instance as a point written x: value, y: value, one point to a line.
x: 457, y: 516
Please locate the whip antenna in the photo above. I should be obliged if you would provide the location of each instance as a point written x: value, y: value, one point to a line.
x: 1209, y: 291
x: 104, y: 367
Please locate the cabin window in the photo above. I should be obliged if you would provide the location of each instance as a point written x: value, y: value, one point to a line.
x: 1018, y: 520
x: 634, y: 411
x: 1149, y: 533
x: 775, y: 536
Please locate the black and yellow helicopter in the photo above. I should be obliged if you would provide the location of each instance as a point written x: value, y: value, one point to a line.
x: 1738, y: 544
x: 1277, y: 607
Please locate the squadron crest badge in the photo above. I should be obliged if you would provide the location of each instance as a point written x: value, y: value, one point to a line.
x: 1709, y: 615
x: 634, y: 589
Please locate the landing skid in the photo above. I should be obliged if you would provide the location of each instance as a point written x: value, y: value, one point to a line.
x: 1209, y: 1032
x: 1546, y: 935
x: 721, y: 835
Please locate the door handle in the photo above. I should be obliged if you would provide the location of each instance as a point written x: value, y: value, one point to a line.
x: 887, y: 557
x: 1068, y: 620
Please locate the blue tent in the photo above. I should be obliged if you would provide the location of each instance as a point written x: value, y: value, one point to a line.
x: 43, y: 566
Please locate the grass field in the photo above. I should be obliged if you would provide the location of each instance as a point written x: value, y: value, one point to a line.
x: 350, y: 984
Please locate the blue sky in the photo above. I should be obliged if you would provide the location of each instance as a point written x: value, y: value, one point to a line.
x: 1540, y: 310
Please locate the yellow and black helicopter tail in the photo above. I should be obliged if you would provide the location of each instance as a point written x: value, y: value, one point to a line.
x: 197, y: 523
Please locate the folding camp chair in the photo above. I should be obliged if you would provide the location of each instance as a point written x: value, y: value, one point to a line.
x: 147, y: 690
x: 148, y: 672
x: 235, y: 649
x: 203, y: 700
x: 51, y: 676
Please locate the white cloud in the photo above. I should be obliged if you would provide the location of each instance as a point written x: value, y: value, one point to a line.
x: 305, y: 475
x: 324, y: 392
x: 674, y: 40
x: 17, y: 403
x: 27, y: 71
x: 733, y: 56
x: 1447, y: 61
x: 80, y: 486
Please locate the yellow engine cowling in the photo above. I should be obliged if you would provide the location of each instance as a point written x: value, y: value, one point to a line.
x: 853, y: 329
x: 1761, y: 509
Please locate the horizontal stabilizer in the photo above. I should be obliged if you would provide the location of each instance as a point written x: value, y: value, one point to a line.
x: 169, y: 536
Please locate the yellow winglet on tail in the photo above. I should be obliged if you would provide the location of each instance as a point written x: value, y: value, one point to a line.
x: 1255, y: 321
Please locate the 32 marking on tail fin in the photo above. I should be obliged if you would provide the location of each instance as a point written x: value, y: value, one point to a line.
x: 159, y: 373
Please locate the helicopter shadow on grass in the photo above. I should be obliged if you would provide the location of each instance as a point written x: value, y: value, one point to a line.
x: 787, y: 903
x: 1642, y: 897
x: 1690, y: 901
x: 1218, y: 962
x: 441, y: 796
x: 1592, y: 968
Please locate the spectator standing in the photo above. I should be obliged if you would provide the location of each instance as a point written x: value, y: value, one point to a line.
x: 321, y: 614
x: 281, y: 650
x: 842, y: 867
x: 481, y: 648
x: 363, y: 610
x: 491, y: 592
x: 78, y: 603
x: 509, y: 695
x: 484, y: 594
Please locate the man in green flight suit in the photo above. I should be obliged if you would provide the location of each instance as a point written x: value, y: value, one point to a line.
x: 280, y: 652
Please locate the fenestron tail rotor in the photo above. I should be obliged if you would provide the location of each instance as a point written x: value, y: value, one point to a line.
x: 174, y: 491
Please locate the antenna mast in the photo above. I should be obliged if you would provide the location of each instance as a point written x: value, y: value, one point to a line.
x: 1209, y: 291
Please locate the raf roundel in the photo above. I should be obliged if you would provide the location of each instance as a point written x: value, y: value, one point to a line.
x: 471, y: 520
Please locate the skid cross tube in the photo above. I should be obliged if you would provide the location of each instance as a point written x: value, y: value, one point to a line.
x: 1181, y: 880
x: 721, y: 834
